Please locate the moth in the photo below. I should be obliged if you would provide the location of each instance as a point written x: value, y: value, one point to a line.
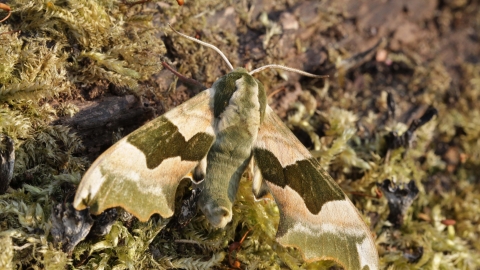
x: 215, y: 135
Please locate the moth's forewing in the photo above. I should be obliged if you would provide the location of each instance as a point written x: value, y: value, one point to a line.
x: 141, y: 172
x: 316, y: 216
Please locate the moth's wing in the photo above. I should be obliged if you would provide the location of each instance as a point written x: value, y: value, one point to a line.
x: 141, y: 172
x: 315, y: 215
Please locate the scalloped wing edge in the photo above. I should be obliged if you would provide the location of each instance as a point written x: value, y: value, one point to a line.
x: 315, y: 214
x: 141, y: 172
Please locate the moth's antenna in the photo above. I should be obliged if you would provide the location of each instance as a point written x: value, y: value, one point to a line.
x: 287, y: 69
x: 204, y: 44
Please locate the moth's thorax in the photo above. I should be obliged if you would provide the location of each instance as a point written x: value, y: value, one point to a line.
x: 238, y: 99
x: 243, y: 108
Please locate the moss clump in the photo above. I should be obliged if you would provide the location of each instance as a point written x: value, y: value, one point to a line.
x: 49, y: 53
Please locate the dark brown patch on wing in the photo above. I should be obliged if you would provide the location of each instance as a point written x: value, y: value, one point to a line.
x: 305, y: 177
x: 162, y: 140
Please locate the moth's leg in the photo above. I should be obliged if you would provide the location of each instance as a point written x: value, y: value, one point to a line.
x: 251, y: 169
x: 259, y: 187
x: 200, y: 171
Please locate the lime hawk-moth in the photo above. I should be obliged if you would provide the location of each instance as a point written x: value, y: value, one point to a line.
x: 215, y: 135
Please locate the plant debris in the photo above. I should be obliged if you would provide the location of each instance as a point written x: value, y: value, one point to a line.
x: 189, y: 208
x: 6, y: 8
x: 395, y: 141
x: 399, y: 200
x: 69, y: 226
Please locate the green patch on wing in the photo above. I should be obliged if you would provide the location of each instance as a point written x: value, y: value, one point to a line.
x: 137, y: 197
x: 305, y: 177
x: 163, y: 140
x: 338, y: 246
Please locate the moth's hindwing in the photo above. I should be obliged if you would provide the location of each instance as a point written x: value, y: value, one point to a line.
x: 315, y: 215
x: 141, y: 172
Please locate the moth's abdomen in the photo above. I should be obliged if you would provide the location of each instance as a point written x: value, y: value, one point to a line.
x: 226, y: 163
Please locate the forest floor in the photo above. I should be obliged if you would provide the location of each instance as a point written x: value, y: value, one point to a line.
x: 401, y: 104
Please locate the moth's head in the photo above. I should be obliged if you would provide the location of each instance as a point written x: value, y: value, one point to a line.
x: 242, y: 69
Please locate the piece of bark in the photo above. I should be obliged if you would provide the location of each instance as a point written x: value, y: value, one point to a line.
x: 69, y: 226
x: 399, y: 200
x: 108, y: 112
x: 98, y: 121
x: 103, y: 223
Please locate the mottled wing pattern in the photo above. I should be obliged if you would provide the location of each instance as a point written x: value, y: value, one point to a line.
x: 141, y: 172
x: 315, y: 215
